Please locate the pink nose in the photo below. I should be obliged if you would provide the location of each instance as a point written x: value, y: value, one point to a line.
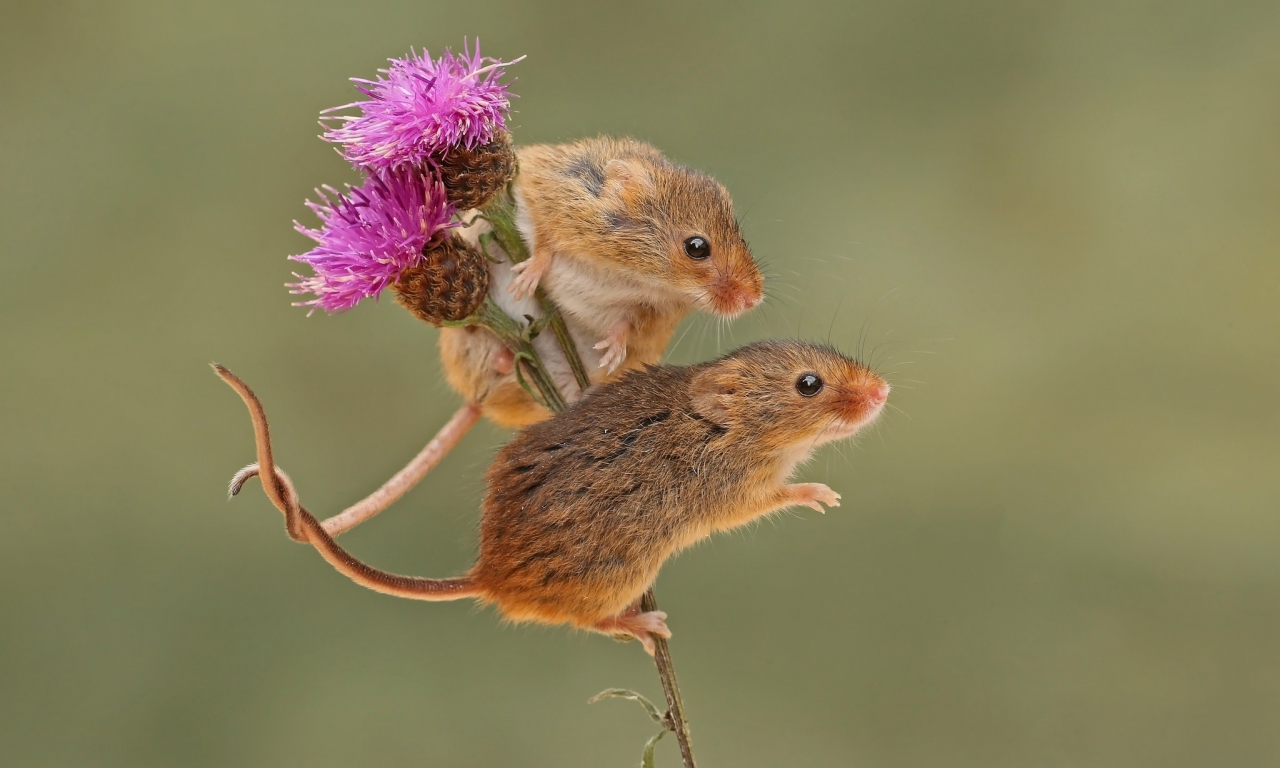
x: 879, y: 394
x: 736, y: 300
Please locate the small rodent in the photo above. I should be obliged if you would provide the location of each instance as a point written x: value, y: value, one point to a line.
x: 582, y: 510
x: 626, y: 243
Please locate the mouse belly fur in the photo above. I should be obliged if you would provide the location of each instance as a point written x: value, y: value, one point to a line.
x: 553, y: 584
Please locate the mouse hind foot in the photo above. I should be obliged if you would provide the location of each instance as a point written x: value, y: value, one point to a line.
x: 642, y: 625
x: 812, y: 495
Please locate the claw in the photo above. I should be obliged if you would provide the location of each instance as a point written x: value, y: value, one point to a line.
x: 613, y: 356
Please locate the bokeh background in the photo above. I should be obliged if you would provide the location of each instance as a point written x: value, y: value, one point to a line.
x: 1056, y: 224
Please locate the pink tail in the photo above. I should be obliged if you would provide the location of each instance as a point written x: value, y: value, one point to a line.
x: 303, y: 526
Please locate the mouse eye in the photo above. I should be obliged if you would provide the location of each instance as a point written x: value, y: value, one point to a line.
x: 697, y: 247
x: 809, y: 384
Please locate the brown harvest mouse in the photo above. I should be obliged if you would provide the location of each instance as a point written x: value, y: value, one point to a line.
x: 582, y: 510
x: 626, y: 243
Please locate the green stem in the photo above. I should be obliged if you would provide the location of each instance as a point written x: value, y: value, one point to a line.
x: 519, y: 339
x: 670, y: 686
x: 501, y: 216
x: 561, y: 330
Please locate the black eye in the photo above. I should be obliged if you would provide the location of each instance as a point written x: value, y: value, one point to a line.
x: 697, y: 247
x: 809, y: 384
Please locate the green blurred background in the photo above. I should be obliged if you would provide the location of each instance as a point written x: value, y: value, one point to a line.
x: 1056, y: 223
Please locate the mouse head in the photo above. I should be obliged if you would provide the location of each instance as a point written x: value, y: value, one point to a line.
x: 788, y: 395
x: 690, y: 228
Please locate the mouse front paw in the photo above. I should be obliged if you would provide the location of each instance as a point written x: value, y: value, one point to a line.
x: 614, y: 346
x: 528, y: 274
x: 812, y: 495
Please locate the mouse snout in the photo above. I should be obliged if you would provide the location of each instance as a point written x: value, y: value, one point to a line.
x: 731, y: 297
x: 865, y: 398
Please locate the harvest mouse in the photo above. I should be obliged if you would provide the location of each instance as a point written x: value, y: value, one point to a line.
x: 582, y: 510
x: 622, y: 238
x: 625, y: 242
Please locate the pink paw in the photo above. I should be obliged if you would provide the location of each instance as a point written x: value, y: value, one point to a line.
x: 528, y: 273
x: 642, y: 626
x: 615, y: 353
x: 813, y: 495
x: 614, y: 346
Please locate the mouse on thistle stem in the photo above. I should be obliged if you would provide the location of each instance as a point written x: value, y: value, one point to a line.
x: 582, y: 510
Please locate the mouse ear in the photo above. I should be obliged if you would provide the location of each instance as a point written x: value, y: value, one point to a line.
x: 711, y: 391
x: 627, y: 180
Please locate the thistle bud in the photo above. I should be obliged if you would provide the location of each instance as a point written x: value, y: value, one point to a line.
x: 472, y: 176
x: 449, y: 284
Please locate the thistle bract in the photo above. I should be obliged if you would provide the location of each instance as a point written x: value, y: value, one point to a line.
x: 421, y: 109
x: 369, y: 236
x: 472, y: 177
x: 449, y: 284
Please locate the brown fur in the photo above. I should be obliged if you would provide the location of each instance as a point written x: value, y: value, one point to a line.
x: 582, y: 510
x: 613, y: 214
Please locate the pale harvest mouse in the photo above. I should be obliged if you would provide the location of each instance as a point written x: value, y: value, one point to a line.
x: 626, y: 243
x: 581, y: 510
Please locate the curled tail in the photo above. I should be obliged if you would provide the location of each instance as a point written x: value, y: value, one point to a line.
x: 303, y: 526
x: 400, y: 484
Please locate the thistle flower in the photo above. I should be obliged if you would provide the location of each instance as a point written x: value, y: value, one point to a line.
x: 422, y: 109
x: 369, y: 236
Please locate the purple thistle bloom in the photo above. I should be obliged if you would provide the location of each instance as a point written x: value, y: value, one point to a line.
x: 422, y: 109
x: 369, y: 236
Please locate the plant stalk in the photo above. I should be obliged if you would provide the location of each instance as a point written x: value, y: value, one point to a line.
x: 519, y: 339
x: 670, y: 686
x: 501, y: 215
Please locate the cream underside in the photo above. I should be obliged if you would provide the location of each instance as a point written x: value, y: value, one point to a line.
x: 553, y: 358
x: 594, y: 297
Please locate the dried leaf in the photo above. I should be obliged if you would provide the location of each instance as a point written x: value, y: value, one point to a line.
x: 646, y: 759
x: 623, y: 693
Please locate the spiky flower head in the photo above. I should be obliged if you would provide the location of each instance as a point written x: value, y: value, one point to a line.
x: 369, y: 236
x: 422, y: 109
